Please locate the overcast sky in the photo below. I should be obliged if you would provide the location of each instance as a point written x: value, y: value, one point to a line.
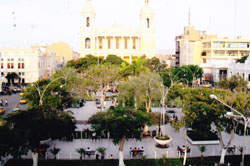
x: 28, y: 22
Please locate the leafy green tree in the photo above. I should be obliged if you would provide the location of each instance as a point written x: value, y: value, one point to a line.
x: 236, y: 82
x: 189, y: 73
x: 82, y: 64
x: 54, y: 93
x: 35, y: 125
x: 120, y: 122
x: 114, y: 59
x: 200, y: 112
x: 138, y: 66
x: 144, y: 89
x: 155, y: 65
x: 99, y: 78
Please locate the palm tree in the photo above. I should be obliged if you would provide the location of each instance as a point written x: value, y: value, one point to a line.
x: 11, y: 77
x: 102, y: 151
x: 81, y: 151
x: 55, y: 151
x: 202, y: 149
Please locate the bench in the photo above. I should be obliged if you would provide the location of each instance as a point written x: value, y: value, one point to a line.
x: 89, y: 152
x: 231, y: 149
x: 182, y: 150
x: 136, y: 152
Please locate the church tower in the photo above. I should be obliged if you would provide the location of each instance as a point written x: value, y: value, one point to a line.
x: 88, y: 28
x: 147, y: 29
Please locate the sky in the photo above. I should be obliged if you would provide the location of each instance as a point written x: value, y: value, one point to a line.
x: 36, y: 22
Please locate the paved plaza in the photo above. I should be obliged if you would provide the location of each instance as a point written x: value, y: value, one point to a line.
x: 68, y: 149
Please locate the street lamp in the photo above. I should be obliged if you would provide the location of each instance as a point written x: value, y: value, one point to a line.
x: 240, y: 115
x: 41, y: 93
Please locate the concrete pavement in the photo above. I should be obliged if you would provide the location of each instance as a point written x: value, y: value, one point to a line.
x: 68, y: 149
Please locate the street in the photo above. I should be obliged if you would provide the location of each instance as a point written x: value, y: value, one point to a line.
x: 13, y: 100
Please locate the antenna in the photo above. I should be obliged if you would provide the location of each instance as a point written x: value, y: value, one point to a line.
x: 189, y: 17
x: 235, y: 19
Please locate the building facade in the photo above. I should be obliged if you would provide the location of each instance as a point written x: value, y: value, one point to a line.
x: 242, y: 69
x: 118, y: 40
x: 30, y: 64
x: 209, y: 52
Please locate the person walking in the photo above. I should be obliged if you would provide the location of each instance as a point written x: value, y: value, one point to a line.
x: 6, y: 103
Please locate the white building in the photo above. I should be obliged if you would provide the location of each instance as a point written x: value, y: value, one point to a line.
x: 242, y: 69
x: 30, y: 64
x: 124, y: 42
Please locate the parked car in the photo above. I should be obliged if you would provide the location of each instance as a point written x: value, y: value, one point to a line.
x: 2, y: 110
x: 23, y: 101
x: 15, y: 109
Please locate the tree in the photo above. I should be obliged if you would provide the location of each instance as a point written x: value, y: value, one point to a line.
x: 82, y: 64
x: 202, y: 150
x: 200, y: 112
x: 236, y: 82
x: 138, y: 66
x: 36, y: 125
x: 242, y: 59
x: 54, y: 151
x: 155, y: 65
x: 189, y: 73
x: 120, y: 122
x: 113, y: 59
x: 143, y: 89
x: 54, y: 93
x: 81, y: 151
x: 99, y: 78
x: 11, y: 77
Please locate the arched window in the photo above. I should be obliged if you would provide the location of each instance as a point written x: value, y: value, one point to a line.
x: 87, y: 22
x: 87, y: 43
x: 147, y: 22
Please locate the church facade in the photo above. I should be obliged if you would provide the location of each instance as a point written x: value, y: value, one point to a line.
x: 118, y: 40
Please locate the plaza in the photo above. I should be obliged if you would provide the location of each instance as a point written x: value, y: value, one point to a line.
x: 68, y: 148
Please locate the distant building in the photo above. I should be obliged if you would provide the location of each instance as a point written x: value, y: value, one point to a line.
x: 209, y: 52
x: 30, y: 64
x: 242, y: 69
x: 118, y: 40
x: 63, y: 52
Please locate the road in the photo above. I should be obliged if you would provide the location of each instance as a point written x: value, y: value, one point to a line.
x: 13, y: 100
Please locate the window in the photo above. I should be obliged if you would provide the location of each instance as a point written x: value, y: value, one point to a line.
x: 126, y: 43
x: 109, y: 43
x: 19, y: 65
x: 147, y: 22
x: 8, y: 65
x: 134, y: 43
x: 100, y: 43
x: 12, y: 59
x: 2, y: 73
x: 22, y: 65
x: 1, y: 65
x: 204, y: 60
x: 87, y: 22
x: 117, y: 43
x: 1, y: 59
x: 87, y: 43
x: 12, y: 65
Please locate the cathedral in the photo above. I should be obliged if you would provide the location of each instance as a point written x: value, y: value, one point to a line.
x: 122, y: 41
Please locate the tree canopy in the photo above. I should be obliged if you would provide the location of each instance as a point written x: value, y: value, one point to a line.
x: 236, y: 82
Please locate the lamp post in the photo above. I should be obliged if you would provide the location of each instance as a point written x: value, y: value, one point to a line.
x: 240, y: 115
x: 41, y: 93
